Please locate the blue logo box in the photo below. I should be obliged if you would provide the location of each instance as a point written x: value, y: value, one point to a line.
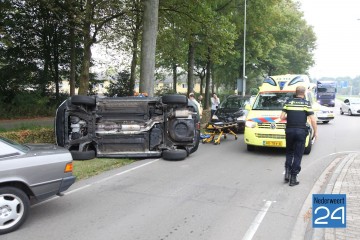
x: 329, y: 210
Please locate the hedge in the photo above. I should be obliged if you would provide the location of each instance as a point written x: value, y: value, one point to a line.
x: 41, y: 135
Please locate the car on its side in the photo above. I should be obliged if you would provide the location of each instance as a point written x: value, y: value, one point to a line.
x: 232, y: 110
x: 351, y: 106
x: 28, y: 174
x: 138, y: 127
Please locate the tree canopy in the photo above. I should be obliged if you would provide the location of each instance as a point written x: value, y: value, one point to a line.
x: 45, y: 42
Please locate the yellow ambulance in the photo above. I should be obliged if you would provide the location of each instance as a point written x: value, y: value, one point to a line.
x: 263, y: 126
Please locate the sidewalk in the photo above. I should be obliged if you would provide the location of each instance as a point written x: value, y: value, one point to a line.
x: 345, y: 180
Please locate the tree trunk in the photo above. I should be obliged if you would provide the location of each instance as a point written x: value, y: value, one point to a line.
x: 56, y: 64
x: 85, y: 66
x: 191, y: 63
x: 148, y: 47
x: 72, y: 57
x: 135, y: 42
x: 207, y: 86
x: 174, y: 76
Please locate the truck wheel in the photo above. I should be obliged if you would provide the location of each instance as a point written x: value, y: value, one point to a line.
x: 177, y: 154
x: 14, y: 205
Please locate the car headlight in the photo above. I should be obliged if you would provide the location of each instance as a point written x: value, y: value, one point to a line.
x: 214, y: 117
x: 250, y: 124
x: 241, y: 118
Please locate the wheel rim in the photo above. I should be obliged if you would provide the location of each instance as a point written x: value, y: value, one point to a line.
x: 11, y: 210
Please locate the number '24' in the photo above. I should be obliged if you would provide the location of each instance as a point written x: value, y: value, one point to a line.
x: 319, y: 219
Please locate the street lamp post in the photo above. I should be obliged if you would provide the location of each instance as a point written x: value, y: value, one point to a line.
x: 244, y: 52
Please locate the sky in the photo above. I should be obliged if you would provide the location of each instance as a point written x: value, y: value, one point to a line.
x: 337, y: 27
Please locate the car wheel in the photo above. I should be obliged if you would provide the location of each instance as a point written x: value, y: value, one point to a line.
x: 177, y: 154
x: 83, y: 100
x: 341, y: 112
x: 307, y: 149
x: 14, y: 209
x: 87, y: 155
x: 174, y: 99
x: 349, y: 112
x: 325, y: 121
x: 250, y: 148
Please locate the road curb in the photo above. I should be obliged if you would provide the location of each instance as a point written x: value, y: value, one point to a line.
x: 334, y: 187
x: 302, y: 228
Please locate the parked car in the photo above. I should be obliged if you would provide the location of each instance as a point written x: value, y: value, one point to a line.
x: 28, y: 174
x: 232, y: 110
x: 91, y: 126
x: 351, y: 106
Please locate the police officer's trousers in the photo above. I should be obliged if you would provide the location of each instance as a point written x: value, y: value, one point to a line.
x: 295, y: 145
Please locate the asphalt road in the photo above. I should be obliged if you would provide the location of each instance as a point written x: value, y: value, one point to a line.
x: 219, y: 192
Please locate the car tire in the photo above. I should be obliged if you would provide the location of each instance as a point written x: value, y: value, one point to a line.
x: 174, y: 99
x: 13, y: 200
x: 177, y: 154
x: 341, y: 112
x: 250, y: 148
x: 87, y: 155
x: 83, y: 100
x: 307, y: 149
x: 350, y: 113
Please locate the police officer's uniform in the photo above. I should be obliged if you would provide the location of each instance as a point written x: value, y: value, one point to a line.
x: 297, y: 111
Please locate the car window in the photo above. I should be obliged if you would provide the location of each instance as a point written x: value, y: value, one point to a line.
x: 272, y: 100
x: 355, y: 101
x: 9, y: 148
x: 233, y: 102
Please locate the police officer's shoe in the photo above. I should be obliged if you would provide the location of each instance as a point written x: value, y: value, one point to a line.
x: 293, y: 180
x: 287, y: 175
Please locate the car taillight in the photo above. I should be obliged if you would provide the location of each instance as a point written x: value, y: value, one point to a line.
x: 68, y: 167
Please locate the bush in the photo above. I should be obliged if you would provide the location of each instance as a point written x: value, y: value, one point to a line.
x: 42, y: 135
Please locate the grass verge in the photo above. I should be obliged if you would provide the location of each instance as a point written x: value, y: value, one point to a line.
x: 89, y: 168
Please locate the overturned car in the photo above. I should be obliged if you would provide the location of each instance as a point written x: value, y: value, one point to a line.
x: 140, y: 127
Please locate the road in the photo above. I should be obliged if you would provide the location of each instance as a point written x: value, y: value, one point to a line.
x: 219, y: 192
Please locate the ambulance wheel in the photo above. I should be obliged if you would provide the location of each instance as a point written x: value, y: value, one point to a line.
x: 250, y: 148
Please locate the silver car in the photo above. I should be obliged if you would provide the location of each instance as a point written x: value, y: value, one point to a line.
x: 351, y: 106
x: 28, y: 174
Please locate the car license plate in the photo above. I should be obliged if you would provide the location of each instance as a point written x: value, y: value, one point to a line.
x: 273, y: 143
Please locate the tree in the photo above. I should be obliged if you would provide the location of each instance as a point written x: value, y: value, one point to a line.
x: 148, y: 46
x: 122, y: 86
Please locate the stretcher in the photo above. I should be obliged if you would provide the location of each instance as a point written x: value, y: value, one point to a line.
x: 214, y: 132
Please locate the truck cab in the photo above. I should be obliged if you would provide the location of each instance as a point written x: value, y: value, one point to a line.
x: 263, y: 127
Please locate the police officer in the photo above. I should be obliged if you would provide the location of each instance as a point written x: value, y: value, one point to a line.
x: 296, y: 111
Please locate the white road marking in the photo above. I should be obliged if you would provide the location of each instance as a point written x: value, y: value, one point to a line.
x: 257, y: 221
x: 102, y: 180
